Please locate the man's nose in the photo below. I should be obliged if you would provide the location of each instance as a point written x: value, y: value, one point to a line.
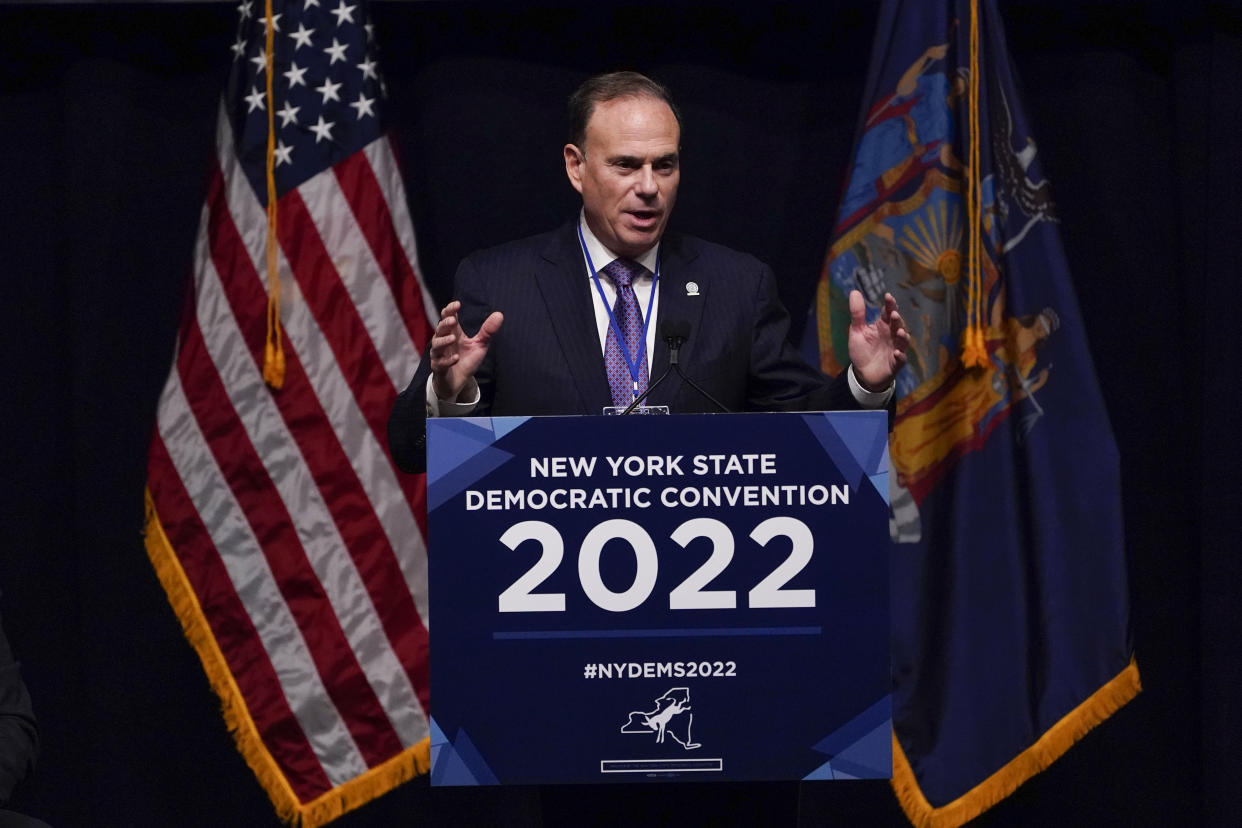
x: 648, y: 186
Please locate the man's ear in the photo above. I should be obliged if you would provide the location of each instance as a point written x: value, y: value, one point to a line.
x: 575, y: 160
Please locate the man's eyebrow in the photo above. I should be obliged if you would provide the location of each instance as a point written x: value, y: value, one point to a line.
x: 634, y: 160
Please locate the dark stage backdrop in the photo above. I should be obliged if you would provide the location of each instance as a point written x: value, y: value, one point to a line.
x: 106, y: 120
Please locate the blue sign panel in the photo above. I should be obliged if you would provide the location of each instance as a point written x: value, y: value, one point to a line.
x: 654, y: 598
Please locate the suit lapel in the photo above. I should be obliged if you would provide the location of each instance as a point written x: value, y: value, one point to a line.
x: 682, y: 295
x: 560, y: 277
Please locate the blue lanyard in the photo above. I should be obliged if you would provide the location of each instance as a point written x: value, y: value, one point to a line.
x: 631, y: 363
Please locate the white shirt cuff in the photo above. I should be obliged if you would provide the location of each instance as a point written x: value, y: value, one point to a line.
x: 865, y: 398
x: 437, y: 407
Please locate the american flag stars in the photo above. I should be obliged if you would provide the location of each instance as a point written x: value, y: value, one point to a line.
x: 295, y: 76
x: 329, y: 91
x: 363, y: 106
x: 302, y: 37
x: 344, y: 14
x: 325, y: 87
x: 255, y: 100
x: 288, y: 115
x: 322, y: 129
x: 335, y: 52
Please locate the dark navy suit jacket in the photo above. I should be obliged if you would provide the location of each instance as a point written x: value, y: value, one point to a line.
x: 546, y: 358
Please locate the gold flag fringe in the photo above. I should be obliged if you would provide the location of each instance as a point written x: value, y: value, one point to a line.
x: 379, y: 780
x: 1047, y: 749
x: 413, y: 761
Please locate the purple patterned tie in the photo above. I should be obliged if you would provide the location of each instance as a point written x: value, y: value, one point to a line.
x: 630, y: 320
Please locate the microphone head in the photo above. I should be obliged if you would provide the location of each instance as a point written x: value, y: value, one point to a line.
x: 675, y: 331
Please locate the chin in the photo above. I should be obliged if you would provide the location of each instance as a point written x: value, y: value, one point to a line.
x: 643, y: 241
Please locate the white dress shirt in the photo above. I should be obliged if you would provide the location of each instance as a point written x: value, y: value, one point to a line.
x: 601, y: 257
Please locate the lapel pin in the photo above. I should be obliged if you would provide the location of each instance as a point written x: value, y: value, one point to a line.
x: 692, y: 288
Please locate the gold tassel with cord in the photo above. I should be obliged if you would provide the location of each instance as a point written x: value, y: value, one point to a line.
x: 974, y: 348
x: 273, y: 351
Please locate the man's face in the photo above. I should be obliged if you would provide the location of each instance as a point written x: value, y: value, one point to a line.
x: 627, y: 172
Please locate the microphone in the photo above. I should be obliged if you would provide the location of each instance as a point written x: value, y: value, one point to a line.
x: 674, y: 332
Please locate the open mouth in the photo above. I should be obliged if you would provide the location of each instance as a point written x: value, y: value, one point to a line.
x: 645, y: 218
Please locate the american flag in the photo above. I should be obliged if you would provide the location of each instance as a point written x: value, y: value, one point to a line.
x: 291, y: 549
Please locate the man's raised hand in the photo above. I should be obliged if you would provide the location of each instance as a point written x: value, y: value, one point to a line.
x: 878, y: 350
x: 454, y: 356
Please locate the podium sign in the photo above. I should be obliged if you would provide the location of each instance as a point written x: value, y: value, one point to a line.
x: 644, y: 598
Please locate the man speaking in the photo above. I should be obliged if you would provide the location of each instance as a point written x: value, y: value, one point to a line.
x: 566, y: 322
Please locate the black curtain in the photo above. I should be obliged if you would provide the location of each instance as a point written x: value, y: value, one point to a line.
x: 107, y: 116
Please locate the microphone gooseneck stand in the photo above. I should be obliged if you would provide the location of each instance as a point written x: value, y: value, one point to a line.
x: 675, y: 332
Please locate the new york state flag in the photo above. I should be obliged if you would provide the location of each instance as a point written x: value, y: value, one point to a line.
x: 1010, y: 602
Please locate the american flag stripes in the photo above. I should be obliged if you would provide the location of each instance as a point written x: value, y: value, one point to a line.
x: 290, y: 547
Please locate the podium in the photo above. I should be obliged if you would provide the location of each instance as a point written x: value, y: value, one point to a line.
x: 636, y: 599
